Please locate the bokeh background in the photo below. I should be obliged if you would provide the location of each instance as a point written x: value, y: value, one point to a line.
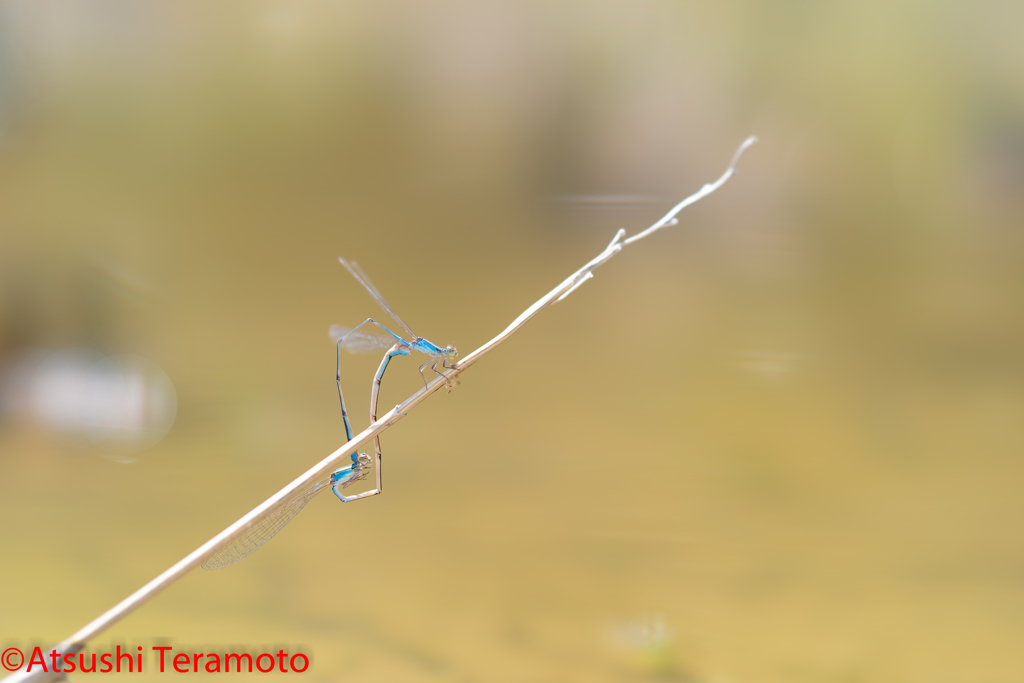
x: 780, y: 441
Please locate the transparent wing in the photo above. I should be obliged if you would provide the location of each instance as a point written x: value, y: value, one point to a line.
x: 360, y: 276
x: 359, y: 341
x: 263, y: 530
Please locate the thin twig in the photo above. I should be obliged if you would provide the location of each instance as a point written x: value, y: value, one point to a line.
x: 330, y: 463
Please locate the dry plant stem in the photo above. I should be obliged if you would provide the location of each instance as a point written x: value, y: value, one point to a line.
x: 331, y: 462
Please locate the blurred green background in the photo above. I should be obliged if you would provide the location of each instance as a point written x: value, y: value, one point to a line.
x: 780, y: 441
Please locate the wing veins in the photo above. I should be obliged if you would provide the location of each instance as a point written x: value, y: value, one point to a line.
x: 360, y: 277
x: 359, y: 341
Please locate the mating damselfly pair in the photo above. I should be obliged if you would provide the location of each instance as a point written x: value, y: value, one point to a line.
x: 353, y: 340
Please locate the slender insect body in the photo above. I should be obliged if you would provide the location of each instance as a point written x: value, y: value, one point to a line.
x: 360, y: 340
x: 346, y: 476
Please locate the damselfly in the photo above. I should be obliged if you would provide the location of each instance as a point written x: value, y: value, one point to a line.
x: 356, y: 342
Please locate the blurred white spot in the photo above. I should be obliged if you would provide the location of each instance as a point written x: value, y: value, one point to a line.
x: 122, y: 403
x: 769, y: 364
x: 645, y: 634
x: 281, y: 23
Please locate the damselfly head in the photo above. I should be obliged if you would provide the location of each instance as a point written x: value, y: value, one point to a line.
x: 450, y: 350
x: 356, y: 472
